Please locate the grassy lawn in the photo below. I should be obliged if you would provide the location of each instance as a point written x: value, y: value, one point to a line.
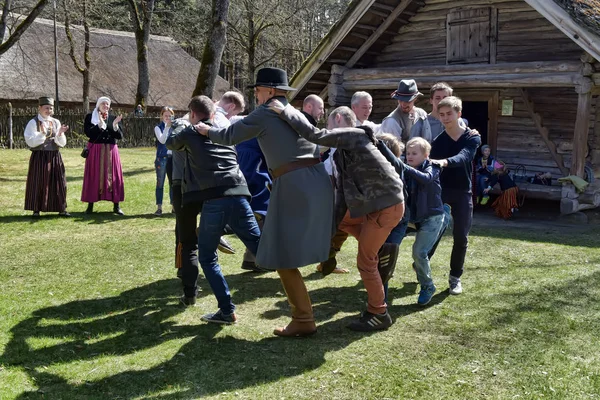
x: 88, y: 310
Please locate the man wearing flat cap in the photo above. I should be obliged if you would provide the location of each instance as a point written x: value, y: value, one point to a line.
x: 301, y: 197
x: 407, y: 121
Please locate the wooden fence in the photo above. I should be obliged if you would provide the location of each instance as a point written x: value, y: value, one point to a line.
x: 137, y: 131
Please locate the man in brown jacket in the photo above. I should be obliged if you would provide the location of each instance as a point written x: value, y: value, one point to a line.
x: 369, y: 198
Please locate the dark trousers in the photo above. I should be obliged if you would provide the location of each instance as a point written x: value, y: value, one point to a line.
x: 461, y: 202
x: 186, y: 242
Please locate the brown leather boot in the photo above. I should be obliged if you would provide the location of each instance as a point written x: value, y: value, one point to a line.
x: 303, y: 322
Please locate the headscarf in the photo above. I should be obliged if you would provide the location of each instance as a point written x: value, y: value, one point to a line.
x: 96, y: 120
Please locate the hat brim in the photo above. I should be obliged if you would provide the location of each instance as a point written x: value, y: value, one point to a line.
x: 407, y: 99
x: 288, y: 88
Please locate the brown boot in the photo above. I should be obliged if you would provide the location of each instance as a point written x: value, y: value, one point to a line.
x: 296, y: 329
x: 303, y: 322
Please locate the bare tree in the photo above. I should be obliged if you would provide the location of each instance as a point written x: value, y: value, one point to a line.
x: 213, y: 49
x: 142, y: 19
x: 85, y: 69
x: 21, y: 28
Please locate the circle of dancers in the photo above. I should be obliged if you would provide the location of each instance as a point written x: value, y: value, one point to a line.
x: 292, y: 192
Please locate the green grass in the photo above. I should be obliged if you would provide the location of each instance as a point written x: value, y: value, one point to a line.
x: 88, y: 310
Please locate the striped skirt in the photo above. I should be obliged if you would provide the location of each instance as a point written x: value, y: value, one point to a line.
x: 46, y: 188
x: 103, y: 175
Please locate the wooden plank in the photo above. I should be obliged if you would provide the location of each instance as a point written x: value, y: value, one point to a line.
x: 327, y: 45
x: 475, y: 81
x: 457, y: 70
x: 563, y: 21
x: 377, y: 34
x: 543, y: 131
x: 581, y: 133
x: 493, y: 35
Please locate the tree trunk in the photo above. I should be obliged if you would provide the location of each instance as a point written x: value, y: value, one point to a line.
x: 251, y: 58
x: 85, y: 69
x: 142, y: 17
x: 4, y: 18
x: 213, y: 50
x: 22, y: 27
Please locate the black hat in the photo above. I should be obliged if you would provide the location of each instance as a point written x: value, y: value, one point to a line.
x: 407, y: 91
x: 46, y: 101
x: 272, y: 77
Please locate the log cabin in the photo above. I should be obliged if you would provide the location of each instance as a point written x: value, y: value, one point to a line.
x: 528, y: 72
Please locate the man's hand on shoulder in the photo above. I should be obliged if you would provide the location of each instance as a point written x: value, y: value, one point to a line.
x: 276, y: 105
x: 202, y: 128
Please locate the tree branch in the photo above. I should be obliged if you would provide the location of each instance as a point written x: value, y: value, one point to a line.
x: 22, y: 27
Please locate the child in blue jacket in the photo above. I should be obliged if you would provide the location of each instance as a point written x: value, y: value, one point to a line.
x: 422, y: 180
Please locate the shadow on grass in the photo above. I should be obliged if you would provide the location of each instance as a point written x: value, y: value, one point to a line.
x: 100, y: 217
x: 140, y: 319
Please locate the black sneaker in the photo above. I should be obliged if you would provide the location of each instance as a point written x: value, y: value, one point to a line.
x: 371, y: 322
x: 220, y: 318
x: 187, y: 301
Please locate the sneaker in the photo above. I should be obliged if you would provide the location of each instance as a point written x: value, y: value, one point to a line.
x: 158, y: 212
x: 485, y: 200
x: 187, y: 301
x: 455, y: 285
x: 220, y: 318
x: 426, y: 294
x: 36, y: 214
x: 64, y: 214
x: 371, y: 322
x: 225, y: 247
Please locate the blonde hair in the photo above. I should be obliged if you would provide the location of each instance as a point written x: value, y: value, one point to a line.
x: 165, y: 109
x: 451, y: 101
x: 392, y: 143
x: 236, y: 98
x: 421, y: 144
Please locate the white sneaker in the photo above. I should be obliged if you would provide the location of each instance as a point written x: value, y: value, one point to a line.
x: 455, y: 285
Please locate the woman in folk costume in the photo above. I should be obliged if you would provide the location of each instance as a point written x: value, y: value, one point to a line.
x: 103, y: 176
x: 46, y: 184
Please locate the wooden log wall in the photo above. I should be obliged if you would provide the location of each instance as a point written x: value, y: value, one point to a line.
x: 519, y: 142
x: 523, y: 35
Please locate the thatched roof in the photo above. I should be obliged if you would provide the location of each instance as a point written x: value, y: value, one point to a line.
x: 585, y: 12
x: 27, y: 69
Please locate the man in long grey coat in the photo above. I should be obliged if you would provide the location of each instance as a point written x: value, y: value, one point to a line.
x: 301, y: 199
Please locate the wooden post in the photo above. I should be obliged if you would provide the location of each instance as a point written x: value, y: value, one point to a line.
x: 336, y: 93
x: 10, y: 126
x: 582, y: 127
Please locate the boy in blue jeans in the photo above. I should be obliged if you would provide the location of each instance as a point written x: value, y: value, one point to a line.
x: 426, y: 208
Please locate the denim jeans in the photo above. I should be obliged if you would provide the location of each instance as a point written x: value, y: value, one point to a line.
x: 161, y: 165
x: 428, y: 232
x: 482, y: 183
x: 216, y: 213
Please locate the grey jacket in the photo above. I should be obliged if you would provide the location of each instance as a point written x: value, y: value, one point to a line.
x: 365, y: 181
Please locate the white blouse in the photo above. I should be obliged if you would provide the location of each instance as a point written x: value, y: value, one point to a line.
x: 35, y: 138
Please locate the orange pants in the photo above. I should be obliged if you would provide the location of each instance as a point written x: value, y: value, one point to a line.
x: 371, y: 231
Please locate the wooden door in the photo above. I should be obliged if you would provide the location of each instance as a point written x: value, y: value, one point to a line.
x: 469, y: 36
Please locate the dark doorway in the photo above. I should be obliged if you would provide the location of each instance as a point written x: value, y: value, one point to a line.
x: 476, y: 113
